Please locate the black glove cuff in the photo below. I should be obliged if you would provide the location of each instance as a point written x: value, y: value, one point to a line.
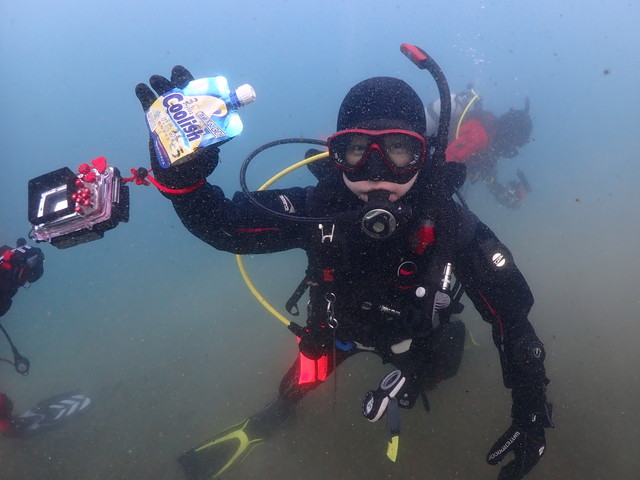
x: 187, y: 174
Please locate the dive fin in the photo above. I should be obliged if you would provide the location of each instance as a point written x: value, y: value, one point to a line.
x: 393, y: 427
x: 392, y: 448
x: 215, y: 456
x: 52, y: 412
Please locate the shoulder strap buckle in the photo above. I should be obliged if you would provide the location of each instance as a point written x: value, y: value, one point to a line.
x: 326, y: 236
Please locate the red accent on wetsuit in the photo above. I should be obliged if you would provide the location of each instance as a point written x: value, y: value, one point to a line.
x: 494, y: 313
x: 327, y: 274
x: 312, y: 371
x: 6, y: 407
x: 424, y: 238
x: 322, y: 366
x: 473, y: 139
x: 255, y: 230
x: 6, y: 257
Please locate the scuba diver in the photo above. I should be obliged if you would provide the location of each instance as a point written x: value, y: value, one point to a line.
x: 19, y: 266
x: 479, y: 139
x: 384, y: 238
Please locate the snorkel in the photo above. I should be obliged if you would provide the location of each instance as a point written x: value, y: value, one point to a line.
x: 424, y: 62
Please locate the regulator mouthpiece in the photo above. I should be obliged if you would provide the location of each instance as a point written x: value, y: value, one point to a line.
x: 381, y: 217
x: 379, y: 223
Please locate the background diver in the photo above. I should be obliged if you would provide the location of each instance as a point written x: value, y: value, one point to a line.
x: 386, y: 237
x: 19, y: 267
x: 479, y: 139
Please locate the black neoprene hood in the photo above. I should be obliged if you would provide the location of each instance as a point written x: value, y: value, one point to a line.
x: 382, y: 103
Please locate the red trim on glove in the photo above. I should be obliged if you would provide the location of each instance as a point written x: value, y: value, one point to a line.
x: 175, y: 191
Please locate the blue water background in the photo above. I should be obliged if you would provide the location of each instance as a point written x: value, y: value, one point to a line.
x: 158, y: 327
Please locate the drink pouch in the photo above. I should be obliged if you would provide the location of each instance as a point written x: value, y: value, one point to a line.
x: 201, y: 114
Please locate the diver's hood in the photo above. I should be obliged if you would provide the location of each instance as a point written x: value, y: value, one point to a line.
x: 515, y: 127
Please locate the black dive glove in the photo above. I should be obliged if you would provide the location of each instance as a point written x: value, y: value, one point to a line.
x: 525, y: 437
x: 198, y: 165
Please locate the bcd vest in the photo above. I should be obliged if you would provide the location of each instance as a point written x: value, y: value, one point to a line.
x: 376, y: 290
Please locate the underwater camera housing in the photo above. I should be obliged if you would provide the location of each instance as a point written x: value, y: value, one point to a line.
x: 67, y: 209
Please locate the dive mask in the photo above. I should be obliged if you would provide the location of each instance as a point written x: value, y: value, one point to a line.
x: 381, y: 155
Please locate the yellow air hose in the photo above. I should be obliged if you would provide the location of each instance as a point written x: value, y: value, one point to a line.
x: 240, y: 261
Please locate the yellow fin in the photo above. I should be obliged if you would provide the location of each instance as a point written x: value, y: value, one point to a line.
x: 392, y: 448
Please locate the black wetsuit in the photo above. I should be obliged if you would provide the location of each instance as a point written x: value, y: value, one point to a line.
x: 370, y: 274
